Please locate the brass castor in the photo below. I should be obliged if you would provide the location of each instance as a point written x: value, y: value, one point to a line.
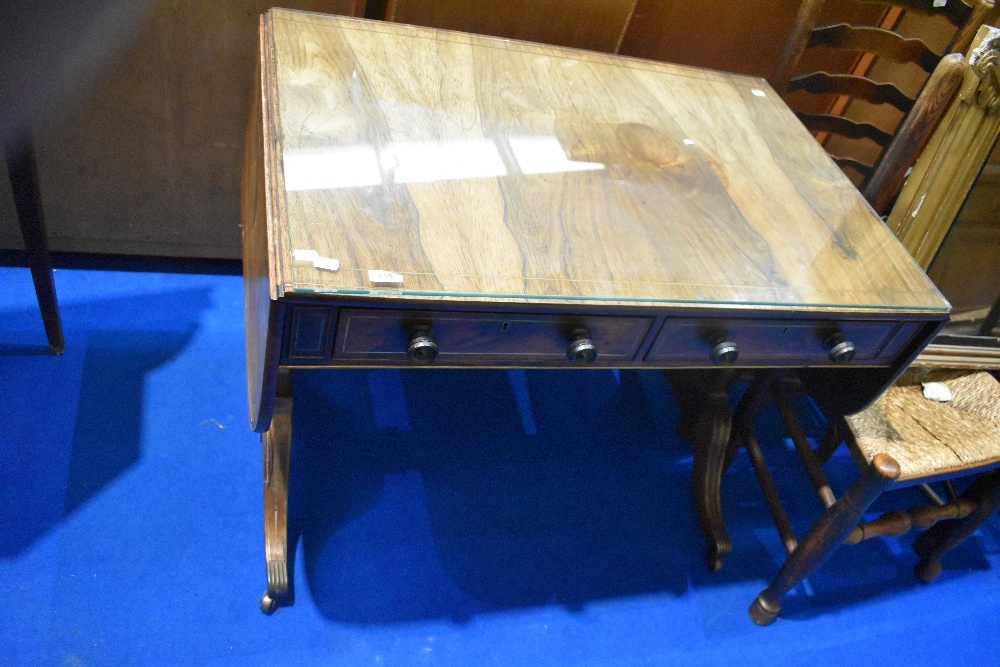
x: 268, y: 604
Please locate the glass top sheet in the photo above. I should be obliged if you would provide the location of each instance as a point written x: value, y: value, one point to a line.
x: 431, y: 163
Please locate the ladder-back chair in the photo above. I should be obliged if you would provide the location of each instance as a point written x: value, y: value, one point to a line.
x: 838, y: 80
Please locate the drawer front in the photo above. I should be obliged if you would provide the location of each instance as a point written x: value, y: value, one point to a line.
x: 900, y: 340
x: 482, y: 337
x: 688, y: 341
x: 307, y: 333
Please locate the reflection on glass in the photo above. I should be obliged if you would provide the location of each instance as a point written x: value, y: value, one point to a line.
x: 361, y: 165
x: 545, y: 155
x: 331, y: 167
x: 442, y: 161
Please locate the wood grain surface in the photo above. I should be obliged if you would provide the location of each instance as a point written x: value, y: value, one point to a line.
x: 498, y: 169
x: 598, y: 25
x: 262, y: 312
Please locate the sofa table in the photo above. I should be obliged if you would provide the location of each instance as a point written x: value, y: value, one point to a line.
x: 423, y: 198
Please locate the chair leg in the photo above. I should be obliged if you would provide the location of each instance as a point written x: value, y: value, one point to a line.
x: 767, y: 486
x: 28, y: 201
x: 831, y: 441
x: 749, y: 408
x: 826, y: 534
x: 945, y: 536
x: 809, y: 461
x: 277, y: 445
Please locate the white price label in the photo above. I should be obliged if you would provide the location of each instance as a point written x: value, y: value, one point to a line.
x: 305, y: 255
x: 384, y: 277
x: 327, y: 263
x: 320, y: 262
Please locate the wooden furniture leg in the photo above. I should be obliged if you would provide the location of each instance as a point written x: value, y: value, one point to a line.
x: 688, y: 388
x: 945, y: 536
x: 749, y: 408
x: 706, y: 420
x: 20, y: 155
x: 826, y: 535
x: 710, y: 446
x: 277, y: 447
x: 992, y: 318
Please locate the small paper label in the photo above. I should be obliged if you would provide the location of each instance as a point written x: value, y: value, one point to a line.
x: 940, y: 3
x: 305, y: 255
x: 688, y: 142
x: 318, y: 261
x: 384, y: 277
x: 326, y: 263
x: 936, y: 391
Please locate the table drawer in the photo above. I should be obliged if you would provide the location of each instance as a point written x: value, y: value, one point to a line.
x: 689, y: 341
x: 484, y: 337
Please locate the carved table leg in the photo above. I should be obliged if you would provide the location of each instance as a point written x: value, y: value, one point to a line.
x: 277, y: 445
x: 945, y: 536
x: 706, y: 420
x: 688, y: 388
x: 710, y: 446
x: 826, y: 535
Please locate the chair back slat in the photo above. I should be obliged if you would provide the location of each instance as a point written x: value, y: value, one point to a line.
x: 845, y: 127
x: 856, y: 51
x: 881, y: 42
x: 957, y: 12
x: 822, y: 83
x: 862, y: 168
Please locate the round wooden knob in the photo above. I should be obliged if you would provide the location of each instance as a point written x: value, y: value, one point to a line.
x: 422, y: 349
x: 581, y: 349
x: 724, y: 353
x: 842, y: 352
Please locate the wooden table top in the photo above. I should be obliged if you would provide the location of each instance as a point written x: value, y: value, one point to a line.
x: 488, y: 169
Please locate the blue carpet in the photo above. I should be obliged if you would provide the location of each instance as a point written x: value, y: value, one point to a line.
x: 440, y: 517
